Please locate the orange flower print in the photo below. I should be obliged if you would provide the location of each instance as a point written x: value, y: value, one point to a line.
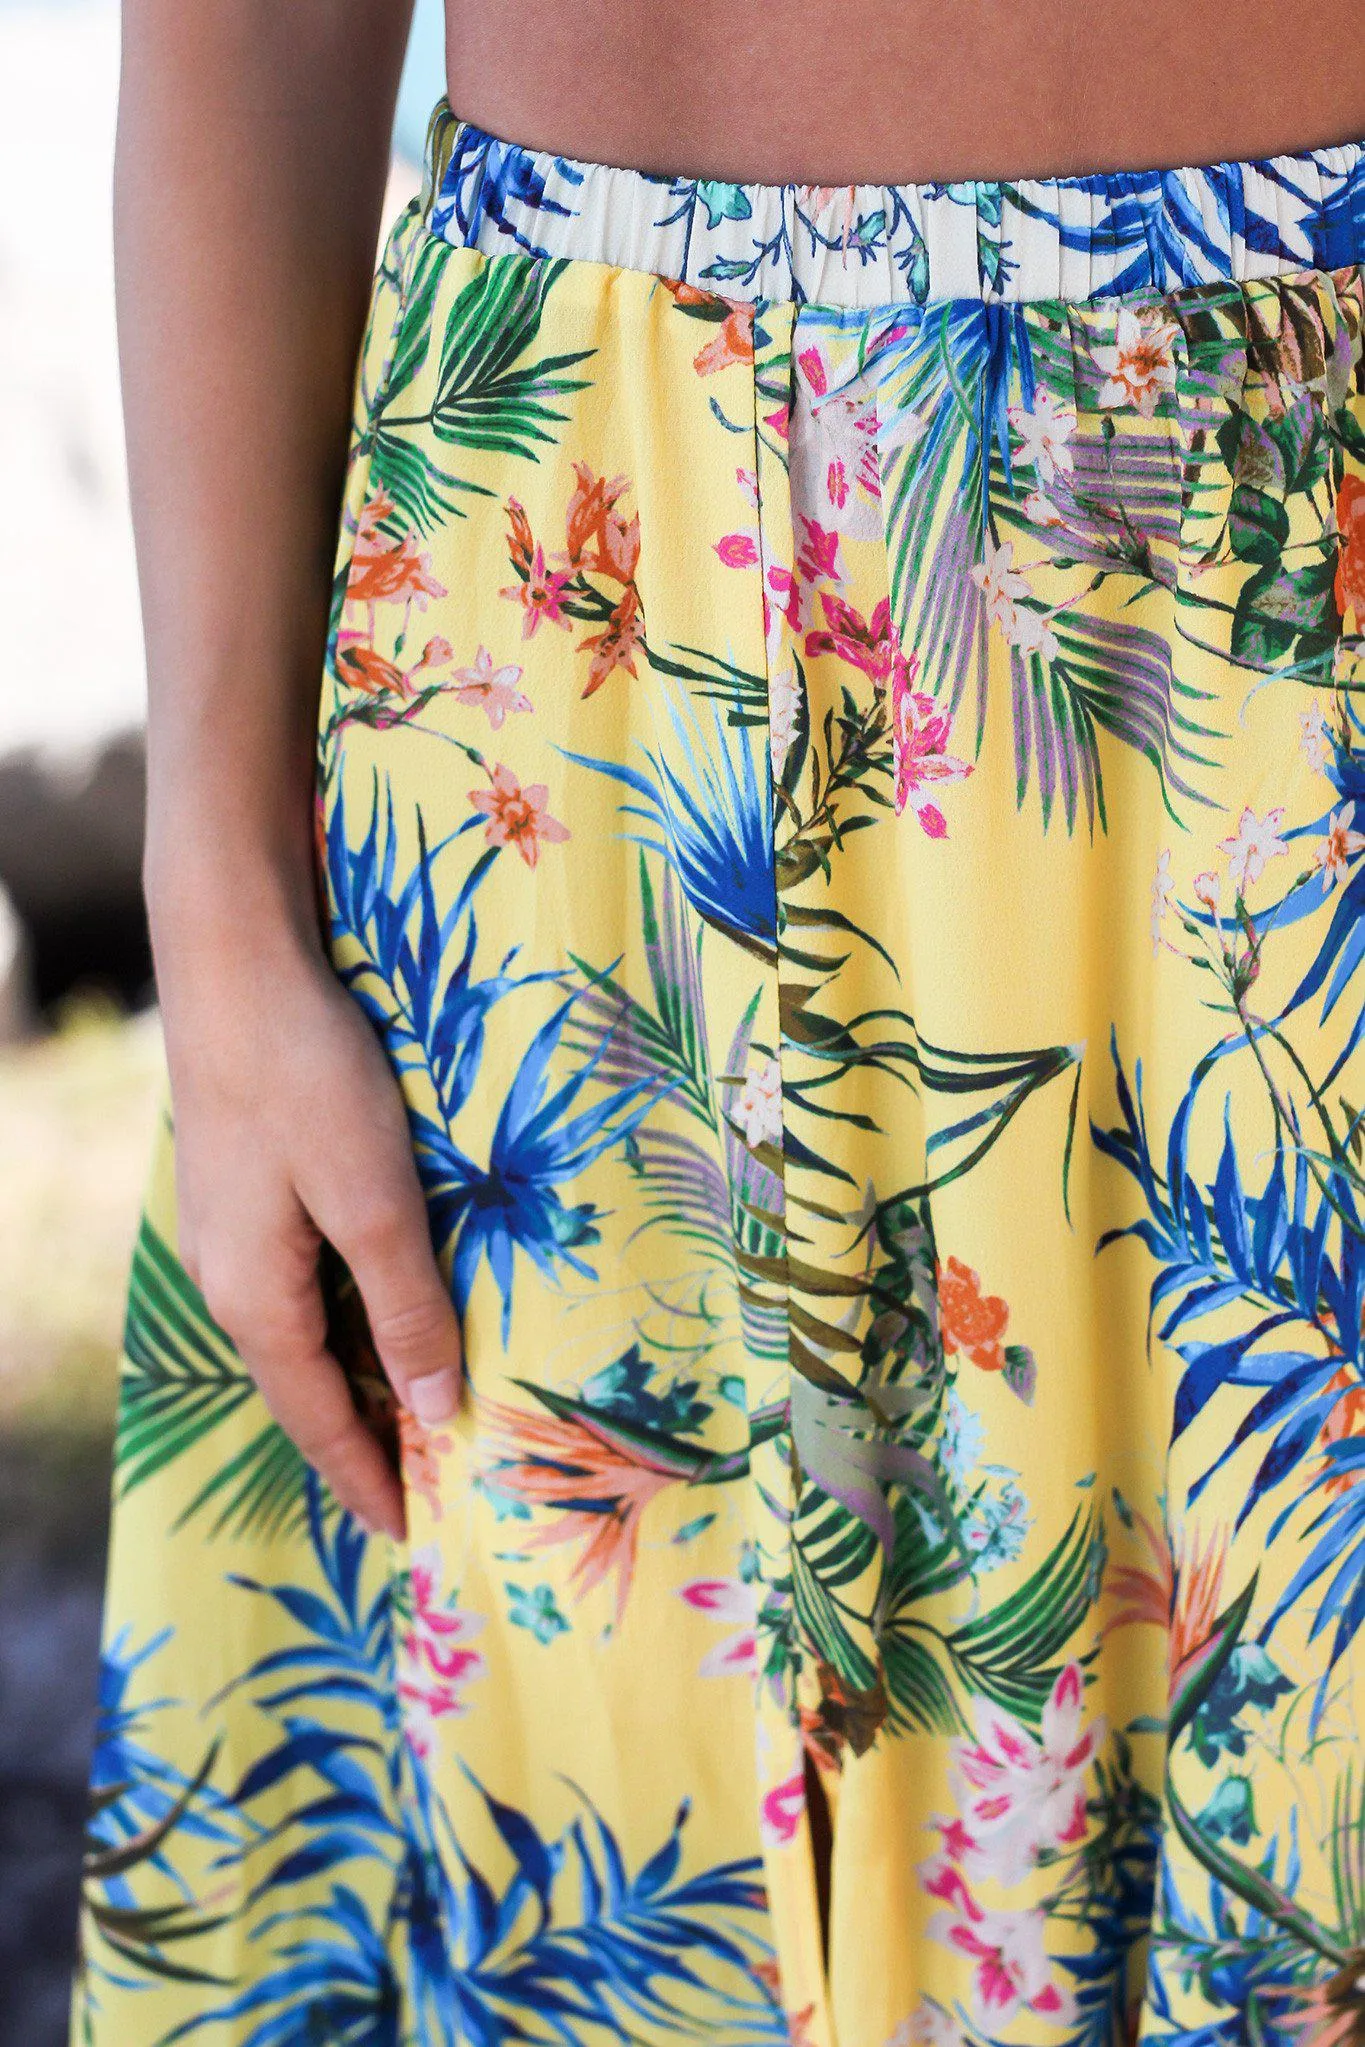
x: 388, y: 693
x: 364, y: 668
x: 1350, y: 578
x: 420, y: 1451
x: 387, y: 571
x: 520, y: 544
x: 600, y: 1486
x: 1345, y: 1419
x: 593, y: 521
x: 732, y: 342
x: 615, y: 646
x: 516, y: 816
x: 798, y: 2023
x: 1182, y: 1595
x: 970, y: 1322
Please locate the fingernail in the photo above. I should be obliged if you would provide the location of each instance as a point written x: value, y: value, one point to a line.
x: 434, y: 1397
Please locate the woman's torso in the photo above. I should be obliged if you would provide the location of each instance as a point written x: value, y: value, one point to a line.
x: 909, y: 90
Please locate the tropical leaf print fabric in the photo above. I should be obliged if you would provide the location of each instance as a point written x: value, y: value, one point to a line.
x: 840, y: 788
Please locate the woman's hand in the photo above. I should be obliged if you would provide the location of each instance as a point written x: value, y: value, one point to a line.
x: 253, y: 144
x: 290, y: 1127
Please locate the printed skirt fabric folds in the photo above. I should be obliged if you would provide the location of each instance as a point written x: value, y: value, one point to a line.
x: 841, y: 789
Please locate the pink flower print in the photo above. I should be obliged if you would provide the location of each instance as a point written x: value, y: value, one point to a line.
x: 920, y: 730
x: 1012, y: 1971
x: 1019, y: 1796
x: 1255, y: 841
x: 541, y: 596
x: 864, y: 643
x: 782, y: 1810
x: 1339, y: 847
x: 738, y: 550
x: 435, y: 1658
x: 812, y: 366
x: 818, y: 557
x: 730, y: 1600
x: 491, y: 689
x: 786, y: 588
x: 516, y: 816
x: 1139, y: 365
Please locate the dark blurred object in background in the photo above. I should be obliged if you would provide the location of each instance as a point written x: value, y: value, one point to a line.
x: 70, y: 854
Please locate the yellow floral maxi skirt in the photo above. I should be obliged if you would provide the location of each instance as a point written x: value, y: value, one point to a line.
x: 840, y: 787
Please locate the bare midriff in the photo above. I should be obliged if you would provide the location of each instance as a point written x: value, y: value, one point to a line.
x: 841, y: 91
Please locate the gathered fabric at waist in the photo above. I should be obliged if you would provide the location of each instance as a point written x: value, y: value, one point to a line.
x: 1071, y: 238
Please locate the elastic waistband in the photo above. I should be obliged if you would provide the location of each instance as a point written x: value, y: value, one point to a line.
x: 861, y: 245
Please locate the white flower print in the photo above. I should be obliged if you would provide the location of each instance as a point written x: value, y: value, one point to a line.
x: 1030, y: 632
x: 1045, y: 433
x: 1139, y: 366
x: 1208, y: 889
x: 1255, y: 841
x: 995, y: 1529
x: 1315, y: 741
x: 1000, y: 583
x: 835, y: 473
x: 929, y: 2026
x: 784, y: 700
x: 1039, y: 509
x: 1339, y: 845
x: 732, y: 1601
x: 760, y: 1104
x: 962, y: 1439
x: 1012, y: 1970
x: 1162, y: 886
x: 1018, y: 1795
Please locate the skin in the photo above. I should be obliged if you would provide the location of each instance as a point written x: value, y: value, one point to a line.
x: 252, y: 147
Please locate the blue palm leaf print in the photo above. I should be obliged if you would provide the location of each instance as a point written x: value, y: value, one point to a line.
x: 540, y: 1141
x: 1157, y: 226
x: 1294, y: 1254
x: 414, y: 976
x: 487, y: 180
x: 710, y: 815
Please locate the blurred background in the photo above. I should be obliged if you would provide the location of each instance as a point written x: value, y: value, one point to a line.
x: 80, y: 1051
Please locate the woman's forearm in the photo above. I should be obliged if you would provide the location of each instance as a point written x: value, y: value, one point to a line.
x: 253, y: 145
